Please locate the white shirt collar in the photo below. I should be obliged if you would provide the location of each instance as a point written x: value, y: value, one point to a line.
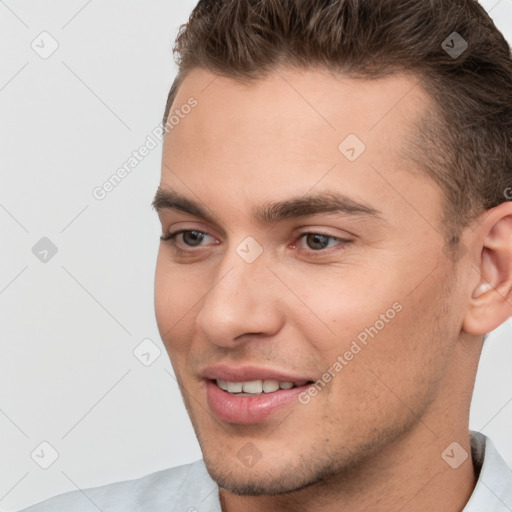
x: 493, y: 490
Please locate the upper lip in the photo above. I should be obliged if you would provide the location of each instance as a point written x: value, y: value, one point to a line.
x: 248, y: 373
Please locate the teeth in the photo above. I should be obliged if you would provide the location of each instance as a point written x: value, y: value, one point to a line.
x: 234, y: 387
x: 252, y: 386
x: 222, y: 384
x: 270, y: 385
x: 256, y: 387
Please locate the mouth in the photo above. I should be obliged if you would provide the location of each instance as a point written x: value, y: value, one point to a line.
x: 253, y: 401
x: 257, y: 387
x: 251, y: 394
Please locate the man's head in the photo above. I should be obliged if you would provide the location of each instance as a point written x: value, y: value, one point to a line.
x: 334, y: 158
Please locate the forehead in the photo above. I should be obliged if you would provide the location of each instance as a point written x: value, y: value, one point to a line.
x: 319, y: 100
x: 295, y: 113
x: 289, y: 133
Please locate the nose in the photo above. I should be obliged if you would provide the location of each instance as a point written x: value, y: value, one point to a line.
x: 243, y: 301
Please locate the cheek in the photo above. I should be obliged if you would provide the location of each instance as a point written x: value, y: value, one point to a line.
x: 384, y: 334
x: 175, y: 296
x: 343, y: 306
x: 399, y: 366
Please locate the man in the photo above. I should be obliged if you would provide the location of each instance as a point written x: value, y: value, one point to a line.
x: 336, y: 244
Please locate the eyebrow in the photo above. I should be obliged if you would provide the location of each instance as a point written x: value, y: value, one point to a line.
x: 273, y: 211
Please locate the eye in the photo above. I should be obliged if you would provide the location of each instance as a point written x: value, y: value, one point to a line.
x: 318, y: 242
x: 189, y: 237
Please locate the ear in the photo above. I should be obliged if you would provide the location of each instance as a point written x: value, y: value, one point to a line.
x: 490, y: 300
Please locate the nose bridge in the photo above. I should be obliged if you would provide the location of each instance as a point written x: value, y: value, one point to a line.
x: 236, y: 281
x: 243, y: 266
x: 238, y: 301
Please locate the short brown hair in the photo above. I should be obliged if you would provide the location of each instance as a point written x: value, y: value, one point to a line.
x: 464, y: 142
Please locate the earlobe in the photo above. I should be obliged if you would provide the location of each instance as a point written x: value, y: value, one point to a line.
x: 481, y: 290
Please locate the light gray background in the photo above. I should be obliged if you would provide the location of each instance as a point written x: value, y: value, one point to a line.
x: 69, y: 326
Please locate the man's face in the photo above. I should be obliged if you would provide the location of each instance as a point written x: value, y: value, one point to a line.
x: 242, y: 297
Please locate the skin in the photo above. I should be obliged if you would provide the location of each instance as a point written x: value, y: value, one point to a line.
x: 373, y: 437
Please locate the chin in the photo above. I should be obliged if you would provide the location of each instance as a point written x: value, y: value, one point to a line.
x: 260, y: 485
x: 265, y: 478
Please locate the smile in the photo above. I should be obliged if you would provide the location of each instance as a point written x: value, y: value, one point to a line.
x: 256, y: 387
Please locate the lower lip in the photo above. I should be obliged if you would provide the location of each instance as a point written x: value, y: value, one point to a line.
x: 247, y: 410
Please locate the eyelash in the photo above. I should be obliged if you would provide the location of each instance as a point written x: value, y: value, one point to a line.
x: 342, y: 241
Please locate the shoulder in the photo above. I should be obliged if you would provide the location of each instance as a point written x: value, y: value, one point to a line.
x: 154, y: 492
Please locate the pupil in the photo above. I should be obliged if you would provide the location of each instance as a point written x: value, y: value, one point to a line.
x: 195, y: 237
x: 317, y: 241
